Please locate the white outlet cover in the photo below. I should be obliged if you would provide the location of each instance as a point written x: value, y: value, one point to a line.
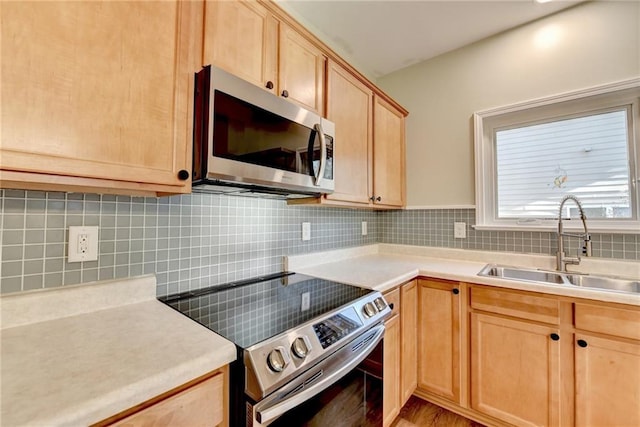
x: 83, y: 244
x: 364, y: 228
x: 460, y: 230
x: 306, y: 231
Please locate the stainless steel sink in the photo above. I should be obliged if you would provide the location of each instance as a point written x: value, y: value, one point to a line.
x: 613, y: 284
x: 524, y: 274
x: 557, y: 278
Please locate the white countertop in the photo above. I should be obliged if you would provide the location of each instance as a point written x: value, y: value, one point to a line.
x: 384, y: 266
x: 79, y: 354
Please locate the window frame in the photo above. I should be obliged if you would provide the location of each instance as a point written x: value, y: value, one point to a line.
x: 596, y: 99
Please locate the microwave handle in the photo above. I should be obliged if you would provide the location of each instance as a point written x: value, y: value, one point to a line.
x: 323, y: 153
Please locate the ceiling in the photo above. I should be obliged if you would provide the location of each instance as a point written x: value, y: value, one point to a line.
x: 384, y: 36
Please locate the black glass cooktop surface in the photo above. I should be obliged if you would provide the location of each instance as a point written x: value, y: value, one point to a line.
x: 254, y: 310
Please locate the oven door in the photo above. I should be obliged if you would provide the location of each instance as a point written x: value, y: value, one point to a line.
x: 341, y: 390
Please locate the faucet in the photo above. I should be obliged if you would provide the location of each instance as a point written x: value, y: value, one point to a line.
x: 561, y: 259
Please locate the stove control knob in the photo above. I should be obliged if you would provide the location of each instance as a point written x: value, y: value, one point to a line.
x: 278, y: 359
x: 369, y: 309
x: 380, y: 303
x: 301, y: 347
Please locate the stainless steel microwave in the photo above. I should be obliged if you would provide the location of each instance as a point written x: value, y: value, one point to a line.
x: 248, y: 138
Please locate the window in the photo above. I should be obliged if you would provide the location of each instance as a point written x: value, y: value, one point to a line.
x: 529, y: 156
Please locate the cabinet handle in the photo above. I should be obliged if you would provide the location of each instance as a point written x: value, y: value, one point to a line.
x: 285, y: 93
x: 455, y: 291
x: 555, y: 337
x: 183, y: 175
x: 582, y: 343
x: 391, y: 306
x: 378, y: 199
x: 269, y: 84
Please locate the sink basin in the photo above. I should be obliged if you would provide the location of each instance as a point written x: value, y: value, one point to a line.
x: 604, y: 283
x: 557, y: 278
x: 524, y: 274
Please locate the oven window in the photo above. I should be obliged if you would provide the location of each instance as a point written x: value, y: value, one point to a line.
x: 353, y: 401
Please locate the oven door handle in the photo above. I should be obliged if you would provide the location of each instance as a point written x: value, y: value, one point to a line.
x: 332, y: 369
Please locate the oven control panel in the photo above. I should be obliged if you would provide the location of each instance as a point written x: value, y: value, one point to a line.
x: 334, y: 328
x: 272, y: 363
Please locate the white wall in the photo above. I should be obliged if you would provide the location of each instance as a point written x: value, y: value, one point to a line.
x: 595, y: 43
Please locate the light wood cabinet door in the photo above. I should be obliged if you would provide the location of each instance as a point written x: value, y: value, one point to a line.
x: 301, y: 70
x: 98, y: 90
x: 515, y: 370
x: 241, y: 37
x: 440, y: 338
x: 388, y: 154
x: 409, y: 340
x: 607, y: 378
x: 391, y: 371
x: 350, y: 107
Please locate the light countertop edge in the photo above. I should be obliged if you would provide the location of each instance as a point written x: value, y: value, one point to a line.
x: 84, y: 368
x: 382, y: 267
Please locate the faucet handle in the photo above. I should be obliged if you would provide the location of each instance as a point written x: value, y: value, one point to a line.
x: 586, y: 248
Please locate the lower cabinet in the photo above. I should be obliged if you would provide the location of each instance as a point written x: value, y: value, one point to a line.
x: 515, y: 370
x: 440, y: 339
x: 204, y: 403
x: 607, y: 367
x: 400, y: 350
x: 391, y: 371
x: 513, y: 358
x: 409, y: 340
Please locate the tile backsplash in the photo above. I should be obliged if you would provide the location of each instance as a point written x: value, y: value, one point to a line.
x: 198, y: 240
x: 188, y: 241
x: 434, y: 227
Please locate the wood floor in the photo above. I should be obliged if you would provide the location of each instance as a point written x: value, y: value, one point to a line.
x: 418, y: 413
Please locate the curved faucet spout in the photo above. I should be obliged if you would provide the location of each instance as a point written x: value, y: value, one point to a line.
x: 561, y: 259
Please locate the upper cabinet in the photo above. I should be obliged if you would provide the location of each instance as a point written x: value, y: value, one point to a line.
x: 350, y: 107
x: 246, y: 39
x: 388, y: 155
x: 97, y: 96
x: 241, y: 37
x: 302, y: 70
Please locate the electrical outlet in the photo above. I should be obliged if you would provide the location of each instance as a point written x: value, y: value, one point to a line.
x: 364, y: 228
x: 83, y: 244
x: 306, y: 231
x: 306, y: 301
x: 460, y: 230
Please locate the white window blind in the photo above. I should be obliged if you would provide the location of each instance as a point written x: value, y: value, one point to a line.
x: 586, y: 156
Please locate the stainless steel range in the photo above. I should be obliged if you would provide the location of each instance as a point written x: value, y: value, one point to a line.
x: 297, y: 337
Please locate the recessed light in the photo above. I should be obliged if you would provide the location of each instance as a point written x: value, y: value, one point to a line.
x: 542, y: 1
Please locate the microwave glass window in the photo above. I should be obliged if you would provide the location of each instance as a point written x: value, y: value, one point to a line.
x: 249, y: 134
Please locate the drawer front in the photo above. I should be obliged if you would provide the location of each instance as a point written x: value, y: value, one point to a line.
x: 393, y: 297
x: 620, y: 322
x: 200, y: 405
x: 509, y: 303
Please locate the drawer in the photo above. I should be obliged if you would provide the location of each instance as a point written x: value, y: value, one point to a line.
x: 199, y: 405
x: 393, y: 297
x: 621, y: 322
x: 524, y: 305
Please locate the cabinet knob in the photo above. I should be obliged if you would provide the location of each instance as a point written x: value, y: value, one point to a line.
x: 378, y: 199
x: 555, y: 337
x: 269, y: 84
x: 285, y: 93
x: 582, y: 343
x: 391, y: 306
x: 183, y: 175
x: 455, y: 291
